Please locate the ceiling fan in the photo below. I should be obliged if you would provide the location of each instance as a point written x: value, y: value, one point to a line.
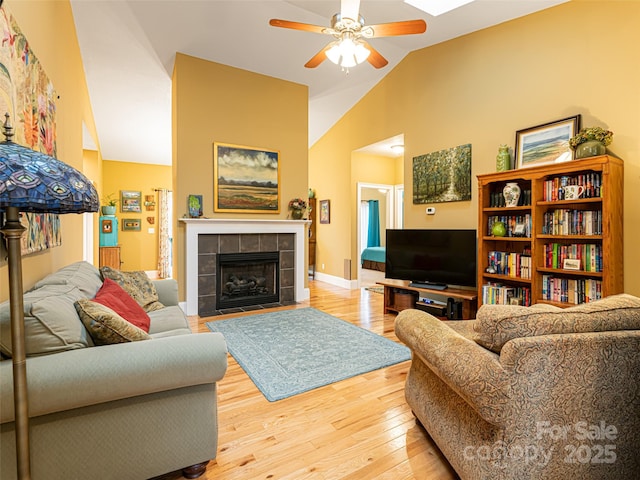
x: 349, y: 30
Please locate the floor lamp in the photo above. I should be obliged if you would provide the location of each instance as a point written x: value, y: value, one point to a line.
x: 31, y: 182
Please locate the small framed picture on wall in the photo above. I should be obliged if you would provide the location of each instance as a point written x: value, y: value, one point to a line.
x: 130, y: 201
x: 131, y: 224
x: 325, y: 211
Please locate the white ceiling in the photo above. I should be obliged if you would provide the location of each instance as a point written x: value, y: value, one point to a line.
x: 128, y: 49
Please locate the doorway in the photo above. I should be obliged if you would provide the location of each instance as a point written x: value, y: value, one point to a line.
x: 372, y: 197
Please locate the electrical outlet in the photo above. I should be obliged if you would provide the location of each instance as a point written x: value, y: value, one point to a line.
x: 431, y: 210
x: 323, y: 266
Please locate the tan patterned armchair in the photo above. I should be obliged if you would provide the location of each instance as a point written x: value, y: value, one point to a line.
x: 530, y: 393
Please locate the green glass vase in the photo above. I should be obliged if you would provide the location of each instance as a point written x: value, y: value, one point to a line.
x: 503, y: 159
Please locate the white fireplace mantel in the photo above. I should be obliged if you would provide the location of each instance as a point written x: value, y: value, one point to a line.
x: 207, y: 226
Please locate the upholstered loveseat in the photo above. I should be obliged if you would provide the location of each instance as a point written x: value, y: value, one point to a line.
x: 131, y: 410
x: 530, y: 393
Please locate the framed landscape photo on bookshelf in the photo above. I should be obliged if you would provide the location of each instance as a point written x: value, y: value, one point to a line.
x: 547, y: 143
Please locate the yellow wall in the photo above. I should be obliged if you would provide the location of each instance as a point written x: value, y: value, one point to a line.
x: 481, y: 89
x: 139, y: 250
x: 218, y: 103
x: 50, y: 31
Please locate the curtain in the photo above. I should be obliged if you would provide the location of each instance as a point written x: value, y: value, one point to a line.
x: 373, y: 234
x: 165, y: 233
x: 364, y: 224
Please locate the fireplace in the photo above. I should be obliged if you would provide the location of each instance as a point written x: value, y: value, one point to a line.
x: 205, y: 238
x: 246, y: 271
x: 247, y: 279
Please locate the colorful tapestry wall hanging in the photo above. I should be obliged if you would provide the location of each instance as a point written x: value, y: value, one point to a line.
x: 443, y: 176
x: 27, y: 94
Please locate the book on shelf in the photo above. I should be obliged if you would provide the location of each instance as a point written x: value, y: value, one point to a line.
x: 499, y: 294
x: 496, y: 198
x: 565, y: 221
x: 571, y: 290
x: 591, y: 182
x: 589, y: 255
x: 511, y: 264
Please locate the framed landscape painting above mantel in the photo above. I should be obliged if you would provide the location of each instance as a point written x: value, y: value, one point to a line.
x: 245, y: 179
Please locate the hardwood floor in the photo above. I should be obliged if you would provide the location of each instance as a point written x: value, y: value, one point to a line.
x: 359, y: 428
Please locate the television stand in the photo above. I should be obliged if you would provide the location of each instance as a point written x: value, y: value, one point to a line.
x: 400, y: 295
x: 429, y: 286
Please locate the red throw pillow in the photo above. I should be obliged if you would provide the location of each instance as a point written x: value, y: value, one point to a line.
x: 113, y: 296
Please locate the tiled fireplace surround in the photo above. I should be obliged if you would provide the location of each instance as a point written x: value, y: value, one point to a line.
x: 206, y: 238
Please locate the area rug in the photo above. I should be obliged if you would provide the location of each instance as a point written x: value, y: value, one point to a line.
x: 293, y: 351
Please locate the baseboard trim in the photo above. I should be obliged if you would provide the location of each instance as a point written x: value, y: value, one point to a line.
x: 337, y: 281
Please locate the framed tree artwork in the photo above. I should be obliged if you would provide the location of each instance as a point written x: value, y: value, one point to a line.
x: 443, y: 176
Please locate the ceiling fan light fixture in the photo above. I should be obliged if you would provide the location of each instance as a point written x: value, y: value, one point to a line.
x: 347, y: 53
x: 361, y: 53
x: 334, y: 53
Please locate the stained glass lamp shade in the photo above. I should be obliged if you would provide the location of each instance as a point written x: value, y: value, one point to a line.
x: 31, y: 182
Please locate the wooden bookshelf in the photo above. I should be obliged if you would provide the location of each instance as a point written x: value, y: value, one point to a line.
x: 590, y: 226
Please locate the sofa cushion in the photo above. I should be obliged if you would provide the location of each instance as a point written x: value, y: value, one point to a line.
x: 83, y: 275
x: 138, y: 285
x: 105, y: 326
x: 113, y: 296
x: 168, y: 321
x: 51, y: 323
x: 497, y: 324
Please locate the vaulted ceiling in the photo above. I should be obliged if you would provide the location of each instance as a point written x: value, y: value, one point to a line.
x: 128, y: 49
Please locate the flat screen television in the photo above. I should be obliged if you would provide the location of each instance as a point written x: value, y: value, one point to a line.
x: 432, y: 258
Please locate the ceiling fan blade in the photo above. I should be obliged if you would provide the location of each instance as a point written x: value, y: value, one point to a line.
x: 408, y: 27
x: 374, y: 58
x: 318, y: 58
x: 306, y: 27
x: 350, y: 9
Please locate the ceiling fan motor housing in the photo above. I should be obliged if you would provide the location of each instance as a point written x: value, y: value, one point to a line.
x: 346, y: 24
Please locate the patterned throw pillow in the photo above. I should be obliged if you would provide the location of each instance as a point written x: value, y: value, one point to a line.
x: 105, y: 326
x: 497, y: 324
x: 138, y: 285
x: 113, y: 296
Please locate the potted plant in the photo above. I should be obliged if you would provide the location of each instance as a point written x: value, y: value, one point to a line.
x: 591, y: 141
x: 109, y: 205
x: 297, y: 206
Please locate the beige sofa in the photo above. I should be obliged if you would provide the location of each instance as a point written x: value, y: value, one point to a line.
x: 122, y: 411
x: 530, y: 393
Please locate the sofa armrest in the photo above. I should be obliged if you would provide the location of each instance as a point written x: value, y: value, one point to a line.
x: 167, y: 291
x: 89, y: 376
x: 472, y: 371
